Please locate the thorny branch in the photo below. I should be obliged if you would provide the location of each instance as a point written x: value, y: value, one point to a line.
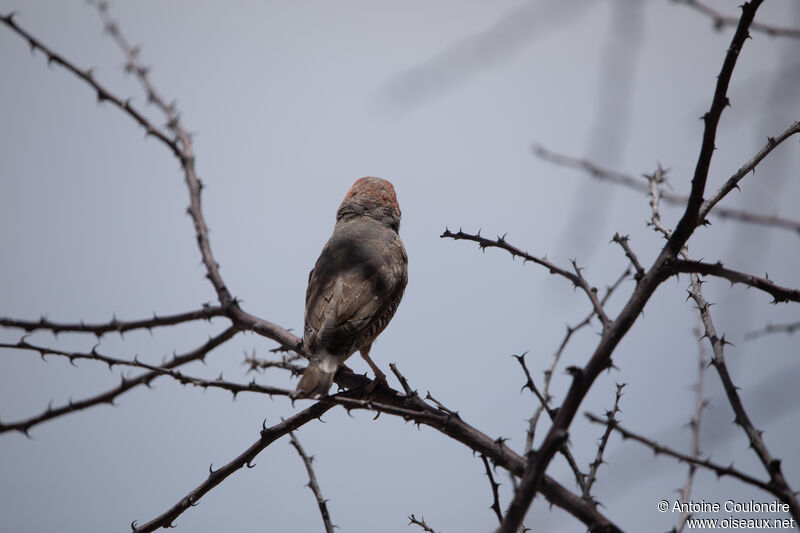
x: 778, y: 482
x: 322, y: 503
x: 114, y: 325
x: 577, y: 278
x: 601, y: 447
x: 750, y: 166
x: 384, y: 400
x: 548, y: 374
x: 720, y: 21
x: 638, y: 184
x: 580, y: 477
x: 410, y: 406
x: 538, y: 462
x: 781, y: 294
x: 694, y: 424
x: 413, y: 520
x: 215, y: 477
x: 125, y: 385
x: 494, y: 486
x: 657, y: 448
x: 774, y: 328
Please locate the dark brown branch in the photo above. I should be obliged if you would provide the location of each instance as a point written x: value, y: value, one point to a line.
x: 413, y: 520
x: 126, y: 384
x: 322, y: 503
x: 494, y: 485
x: 215, y: 477
x: 114, y: 325
x: 622, y: 240
x: 719, y: 21
x: 638, y: 184
x: 601, y: 358
x: 580, y: 477
x: 103, y: 94
x: 576, y: 279
x: 286, y: 362
x: 548, y: 374
x: 750, y: 166
x: 774, y: 328
x: 657, y: 448
x: 389, y: 401
x: 694, y: 424
x: 601, y: 447
x: 778, y: 484
x: 781, y: 294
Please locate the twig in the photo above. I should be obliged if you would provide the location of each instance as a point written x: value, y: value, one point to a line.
x: 601, y: 447
x: 657, y: 448
x: 312, y: 483
x: 215, y: 477
x: 622, y: 240
x: 286, y: 363
x: 600, y: 360
x: 778, y: 484
x: 420, y: 522
x: 114, y: 325
x: 126, y: 384
x: 494, y: 485
x: 635, y: 183
x: 774, y: 328
x: 719, y: 21
x: 750, y: 166
x: 717, y: 344
x: 580, y: 477
x: 185, y: 155
x: 103, y: 94
x: 576, y: 279
x: 781, y: 294
x: 694, y: 424
x: 548, y: 374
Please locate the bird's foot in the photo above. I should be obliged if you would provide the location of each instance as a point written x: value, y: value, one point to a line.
x: 380, y: 379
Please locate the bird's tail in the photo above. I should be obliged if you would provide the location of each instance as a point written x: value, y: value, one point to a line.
x: 318, y: 377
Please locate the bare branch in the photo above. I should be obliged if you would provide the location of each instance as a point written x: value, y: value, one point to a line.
x: 719, y: 20
x: 694, y: 423
x: 286, y: 362
x: 576, y: 279
x: 312, y: 483
x: 622, y: 240
x: 494, y: 485
x: 420, y: 522
x: 659, y: 449
x: 548, y: 374
x: 601, y: 447
x: 126, y: 384
x: 215, y: 477
x: 733, y: 181
x: 583, y: 378
x: 184, y: 153
x: 103, y: 94
x: 114, y: 325
x: 781, y: 294
x: 778, y: 484
x: 580, y: 477
x: 774, y: 328
x: 638, y: 184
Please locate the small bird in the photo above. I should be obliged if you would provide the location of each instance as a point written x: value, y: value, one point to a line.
x: 355, y: 286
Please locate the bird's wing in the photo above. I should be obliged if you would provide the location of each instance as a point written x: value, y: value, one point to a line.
x: 353, y: 284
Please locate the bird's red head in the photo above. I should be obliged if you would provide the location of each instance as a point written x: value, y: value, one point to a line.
x: 373, y: 191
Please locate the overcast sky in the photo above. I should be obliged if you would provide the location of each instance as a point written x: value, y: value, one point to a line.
x: 293, y: 101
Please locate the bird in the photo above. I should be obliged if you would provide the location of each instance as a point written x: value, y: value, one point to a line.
x: 355, y: 286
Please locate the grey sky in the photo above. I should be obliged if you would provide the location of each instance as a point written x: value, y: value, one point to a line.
x: 291, y: 102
